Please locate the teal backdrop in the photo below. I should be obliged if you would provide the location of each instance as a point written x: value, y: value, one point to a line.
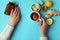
x: 27, y: 29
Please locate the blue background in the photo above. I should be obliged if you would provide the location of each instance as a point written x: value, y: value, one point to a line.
x: 27, y: 29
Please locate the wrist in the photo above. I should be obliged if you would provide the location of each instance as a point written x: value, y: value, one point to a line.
x: 43, y: 34
x: 11, y: 24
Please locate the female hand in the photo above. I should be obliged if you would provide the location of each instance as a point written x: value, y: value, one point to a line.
x: 14, y: 17
x: 43, y: 27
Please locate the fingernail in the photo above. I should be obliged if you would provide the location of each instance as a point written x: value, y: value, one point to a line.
x: 40, y: 19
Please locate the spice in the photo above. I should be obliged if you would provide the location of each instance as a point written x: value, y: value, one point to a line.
x: 44, y: 8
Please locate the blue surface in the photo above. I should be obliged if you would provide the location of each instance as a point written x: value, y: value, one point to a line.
x: 27, y: 29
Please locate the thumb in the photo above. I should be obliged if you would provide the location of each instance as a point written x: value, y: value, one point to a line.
x: 40, y: 20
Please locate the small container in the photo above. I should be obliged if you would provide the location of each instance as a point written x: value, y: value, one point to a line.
x: 35, y: 7
x: 9, y: 7
x: 44, y: 8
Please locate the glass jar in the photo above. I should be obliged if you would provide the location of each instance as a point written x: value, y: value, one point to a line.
x: 9, y: 7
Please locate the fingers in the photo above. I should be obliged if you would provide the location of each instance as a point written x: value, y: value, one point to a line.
x: 18, y: 15
x: 44, y: 22
x: 15, y: 13
x: 11, y: 12
x: 15, y: 10
x: 41, y: 22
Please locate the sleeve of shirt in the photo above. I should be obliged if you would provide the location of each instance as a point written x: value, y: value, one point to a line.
x: 0, y: 36
x: 43, y: 38
x: 5, y: 34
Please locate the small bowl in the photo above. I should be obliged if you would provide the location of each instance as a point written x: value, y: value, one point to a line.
x: 44, y: 8
x: 35, y: 7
